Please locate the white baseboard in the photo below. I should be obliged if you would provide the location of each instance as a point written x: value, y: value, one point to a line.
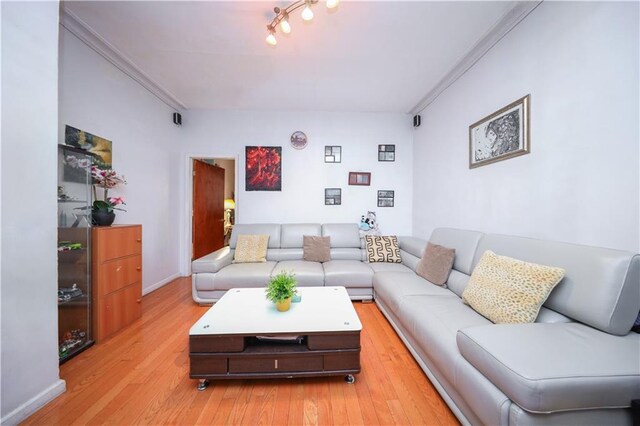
x: 35, y: 403
x: 159, y: 284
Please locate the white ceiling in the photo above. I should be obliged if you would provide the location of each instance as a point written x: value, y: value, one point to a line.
x: 364, y: 56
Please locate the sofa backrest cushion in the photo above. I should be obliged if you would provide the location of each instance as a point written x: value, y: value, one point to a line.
x: 343, y: 235
x: 271, y: 229
x: 463, y: 241
x: 291, y: 234
x: 411, y: 249
x: 601, y: 286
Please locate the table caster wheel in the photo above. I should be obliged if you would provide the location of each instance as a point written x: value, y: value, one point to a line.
x: 349, y: 378
x: 203, y: 385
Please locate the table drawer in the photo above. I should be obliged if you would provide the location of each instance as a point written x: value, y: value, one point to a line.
x: 342, y: 361
x: 119, y: 273
x: 206, y: 364
x: 216, y: 343
x: 274, y: 364
x: 334, y: 341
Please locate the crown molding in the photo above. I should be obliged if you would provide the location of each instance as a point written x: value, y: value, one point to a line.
x: 95, y: 41
x: 510, y: 19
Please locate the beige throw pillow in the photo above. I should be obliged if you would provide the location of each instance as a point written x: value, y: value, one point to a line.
x: 382, y: 249
x: 251, y: 248
x: 316, y: 249
x: 509, y: 291
x: 436, y: 263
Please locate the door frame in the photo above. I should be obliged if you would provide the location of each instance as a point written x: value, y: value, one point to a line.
x: 188, y: 205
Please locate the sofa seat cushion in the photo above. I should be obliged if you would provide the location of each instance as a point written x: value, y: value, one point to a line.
x: 389, y: 267
x: 308, y: 274
x: 392, y: 286
x: 556, y: 367
x: 347, y: 273
x: 242, y: 275
x: 432, y: 323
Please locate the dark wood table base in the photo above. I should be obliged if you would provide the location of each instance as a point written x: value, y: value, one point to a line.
x: 249, y: 357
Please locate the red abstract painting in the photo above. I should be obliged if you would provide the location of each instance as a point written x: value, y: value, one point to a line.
x: 263, y: 168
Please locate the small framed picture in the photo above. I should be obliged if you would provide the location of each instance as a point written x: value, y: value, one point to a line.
x: 332, y: 154
x: 360, y: 178
x: 385, y: 198
x: 386, y: 153
x: 332, y: 196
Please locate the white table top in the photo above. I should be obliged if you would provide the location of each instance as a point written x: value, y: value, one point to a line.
x: 247, y: 311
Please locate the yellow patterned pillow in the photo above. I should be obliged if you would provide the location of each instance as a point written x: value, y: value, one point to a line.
x: 509, y: 291
x: 251, y: 248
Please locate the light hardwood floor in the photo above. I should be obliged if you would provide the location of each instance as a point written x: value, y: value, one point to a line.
x: 141, y: 376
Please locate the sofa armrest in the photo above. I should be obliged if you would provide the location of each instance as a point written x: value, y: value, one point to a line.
x: 555, y: 367
x: 213, y: 262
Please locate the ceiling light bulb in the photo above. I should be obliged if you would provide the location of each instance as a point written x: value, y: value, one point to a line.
x: 332, y: 3
x: 307, y: 13
x: 271, y: 39
x: 285, y: 27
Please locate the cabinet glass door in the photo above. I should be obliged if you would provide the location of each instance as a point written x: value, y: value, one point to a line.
x: 74, y: 251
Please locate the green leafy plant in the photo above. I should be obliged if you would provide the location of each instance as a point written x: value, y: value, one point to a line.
x: 281, y: 287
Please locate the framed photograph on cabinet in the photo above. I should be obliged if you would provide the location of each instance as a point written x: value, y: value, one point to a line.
x: 385, y: 198
x: 332, y: 154
x: 332, y: 196
x: 386, y: 153
x: 360, y: 178
x: 501, y: 135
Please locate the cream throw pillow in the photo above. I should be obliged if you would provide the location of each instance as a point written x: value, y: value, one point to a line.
x: 509, y: 291
x: 251, y: 248
x: 382, y: 249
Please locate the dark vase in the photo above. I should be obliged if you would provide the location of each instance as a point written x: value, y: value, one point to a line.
x: 102, y: 218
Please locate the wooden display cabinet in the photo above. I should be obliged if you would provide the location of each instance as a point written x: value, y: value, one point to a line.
x: 117, y: 278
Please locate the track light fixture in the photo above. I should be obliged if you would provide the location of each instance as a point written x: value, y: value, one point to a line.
x: 282, y: 17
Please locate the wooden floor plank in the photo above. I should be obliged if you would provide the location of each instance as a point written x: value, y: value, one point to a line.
x: 141, y: 376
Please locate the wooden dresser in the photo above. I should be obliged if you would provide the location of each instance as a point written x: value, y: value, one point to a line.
x: 117, y: 278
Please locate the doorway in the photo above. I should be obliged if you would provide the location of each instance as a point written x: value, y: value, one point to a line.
x: 213, y: 204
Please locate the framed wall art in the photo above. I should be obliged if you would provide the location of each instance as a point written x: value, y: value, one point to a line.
x: 386, y: 153
x: 332, y: 196
x: 263, y: 168
x: 501, y: 135
x: 385, y: 198
x: 332, y: 154
x: 299, y: 140
x: 360, y: 178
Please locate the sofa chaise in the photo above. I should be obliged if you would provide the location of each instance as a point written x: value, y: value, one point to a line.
x: 578, y: 363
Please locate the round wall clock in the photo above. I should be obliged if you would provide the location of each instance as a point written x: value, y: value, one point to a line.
x: 299, y: 140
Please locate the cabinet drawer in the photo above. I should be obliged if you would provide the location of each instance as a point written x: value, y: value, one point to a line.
x: 274, y: 364
x: 118, y: 309
x: 115, y: 242
x: 200, y: 365
x: 119, y: 273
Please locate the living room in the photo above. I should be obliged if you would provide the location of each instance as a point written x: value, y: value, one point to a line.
x: 579, y: 184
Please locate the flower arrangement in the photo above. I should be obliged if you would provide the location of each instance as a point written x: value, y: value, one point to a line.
x: 106, y: 179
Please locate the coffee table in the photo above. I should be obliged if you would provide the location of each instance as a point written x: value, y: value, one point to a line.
x: 243, y: 336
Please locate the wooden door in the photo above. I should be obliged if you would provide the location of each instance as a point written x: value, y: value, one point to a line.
x: 208, y: 208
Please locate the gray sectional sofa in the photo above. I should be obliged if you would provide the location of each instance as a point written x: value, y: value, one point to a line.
x: 577, y: 364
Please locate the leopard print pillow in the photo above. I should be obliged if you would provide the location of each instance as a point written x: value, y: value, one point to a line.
x: 509, y: 291
x: 251, y: 248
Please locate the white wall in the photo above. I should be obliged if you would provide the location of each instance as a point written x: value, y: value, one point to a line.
x: 304, y: 172
x: 29, y: 220
x: 97, y: 97
x: 581, y: 182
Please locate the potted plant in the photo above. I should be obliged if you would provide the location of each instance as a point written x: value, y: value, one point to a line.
x: 281, y: 289
x: 102, y: 211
